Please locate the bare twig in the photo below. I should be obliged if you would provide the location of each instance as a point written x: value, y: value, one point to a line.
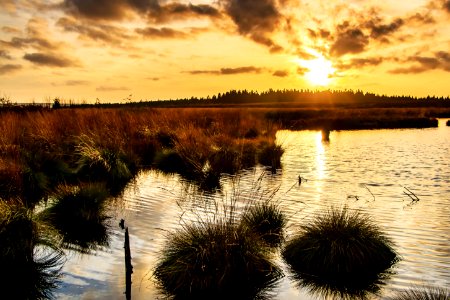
x: 410, y: 194
x: 369, y: 192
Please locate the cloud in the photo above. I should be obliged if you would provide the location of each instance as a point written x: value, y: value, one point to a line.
x: 49, y: 60
x: 93, y: 31
x: 105, y: 88
x: 76, y: 82
x: 357, y: 63
x: 302, y: 70
x: 97, y: 9
x: 446, y: 6
x: 228, y: 71
x: 153, y: 10
x: 440, y: 61
x: 36, y: 37
x: 380, y: 30
x: 164, y: 32
x: 9, y: 29
x: 349, y: 40
x: 178, y: 11
x: 9, y: 68
x: 280, y: 73
x: 4, y: 54
x: 255, y: 19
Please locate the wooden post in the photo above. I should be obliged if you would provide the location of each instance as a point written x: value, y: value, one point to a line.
x: 128, y: 266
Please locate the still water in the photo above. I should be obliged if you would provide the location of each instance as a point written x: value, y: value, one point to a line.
x: 369, y: 170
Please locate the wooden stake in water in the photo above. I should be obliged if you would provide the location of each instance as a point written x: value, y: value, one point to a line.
x: 128, y: 266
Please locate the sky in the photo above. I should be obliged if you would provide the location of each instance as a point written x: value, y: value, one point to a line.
x: 131, y: 50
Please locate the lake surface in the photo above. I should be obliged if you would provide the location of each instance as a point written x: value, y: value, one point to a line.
x: 366, y: 170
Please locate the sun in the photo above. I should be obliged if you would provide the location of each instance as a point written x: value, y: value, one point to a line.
x: 319, y: 71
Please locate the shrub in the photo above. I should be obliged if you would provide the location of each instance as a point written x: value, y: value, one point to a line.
x: 425, y: 293
x: 341, y: 252
x: 215, y: 259
x: 267, y: 221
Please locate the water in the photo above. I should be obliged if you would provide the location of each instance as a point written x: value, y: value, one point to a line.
x: 366, y: 170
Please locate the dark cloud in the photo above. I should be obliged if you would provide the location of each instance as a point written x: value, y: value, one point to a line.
x: 9, y: 68
x: 97, y: 9
x: 152, y: 9
x: 178, y: 11
x: 447, y: 6
x: 280, y: 73
x: 49, y: 60
x: 380, y: 30
x: 164, y: 32
x: 349, y: 40
x: 104, y: 88
x: 96, y: 32
x: 231, y: 71
x: 228, y: 71
x: 360, y: 63
x: 255, y: 19
x: 440, y: 61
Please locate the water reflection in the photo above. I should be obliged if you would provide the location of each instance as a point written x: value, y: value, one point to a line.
x: 383, y: 160
x: 29, y: 270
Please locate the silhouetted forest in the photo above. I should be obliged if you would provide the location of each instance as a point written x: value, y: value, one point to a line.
x: 269, y: 98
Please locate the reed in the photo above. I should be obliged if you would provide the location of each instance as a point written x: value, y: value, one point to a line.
x: 341, y: 251
x: 423, y: 293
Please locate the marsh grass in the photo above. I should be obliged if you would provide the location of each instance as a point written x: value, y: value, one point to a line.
x: 341, y: 252
x: 267, y: 221
x: 106, y: 164
x: 27, y: 270
x: 79, y: 216
x: 270, y: 155
x: 216, y: 254
x: 219, y: 260
x: 423, y: 293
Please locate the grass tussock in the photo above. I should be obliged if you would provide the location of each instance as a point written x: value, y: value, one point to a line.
x: 220, y: 260
x: 267, y: 221
x: 423, y: 293
x: 79, y: 214
x: 340, y: 252
x: 28, y: 271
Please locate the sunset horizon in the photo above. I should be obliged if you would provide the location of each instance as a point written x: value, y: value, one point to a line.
x: 132, y: 50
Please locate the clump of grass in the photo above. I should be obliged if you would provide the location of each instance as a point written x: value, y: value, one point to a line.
x: 424, y: 293
x: 215, y: 259
x: 341, y: 252
x: 27, y: 273
x: 225, y: 160
x: 97, y: 163
x: 267, y: 221
x: 79, y: 215
x: 270, y: 155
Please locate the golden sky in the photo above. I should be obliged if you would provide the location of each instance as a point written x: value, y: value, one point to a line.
x: 162, y: 49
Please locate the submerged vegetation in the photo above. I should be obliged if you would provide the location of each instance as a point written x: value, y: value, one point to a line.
x: 341, y: 252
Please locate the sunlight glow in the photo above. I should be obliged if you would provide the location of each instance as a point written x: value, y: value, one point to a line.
x: 319, y: 70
